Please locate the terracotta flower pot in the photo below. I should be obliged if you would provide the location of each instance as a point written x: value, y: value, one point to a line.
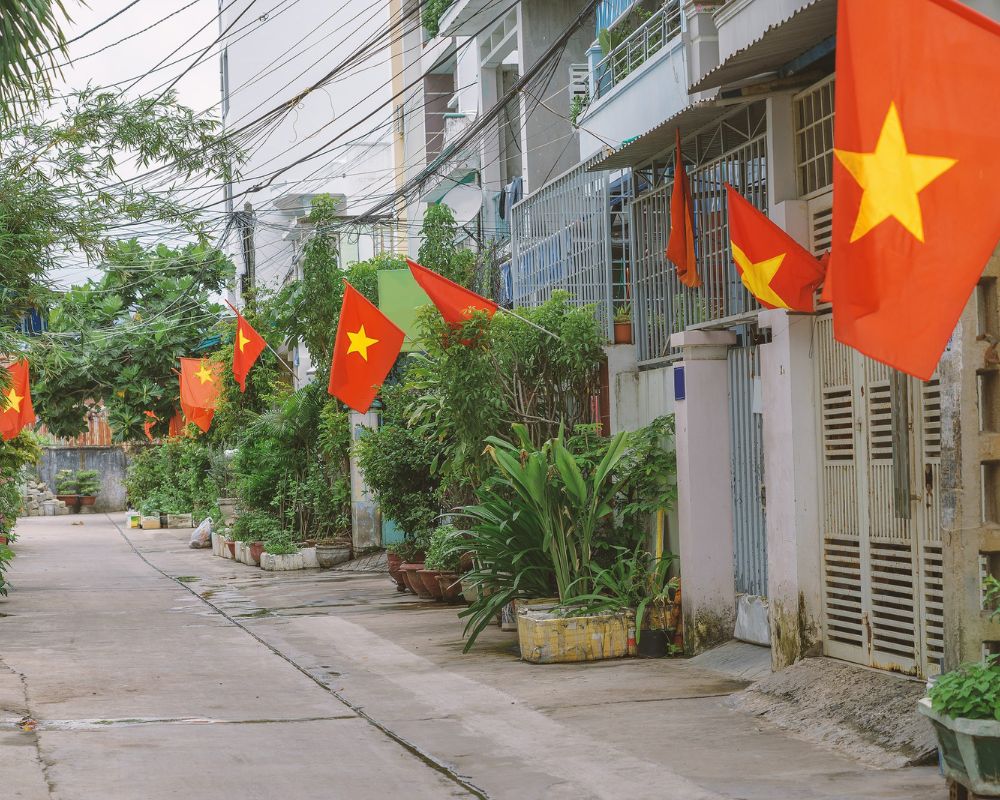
x: 430, y: 581
x: 256, y: 551
x: 416, y: 585
x: 404, y: 580
x: 394, y: 572
x: 232, y: 548
x: 88, y: 499
x: 71, y: 500
x: 623, y: 333
x: 451, y: 586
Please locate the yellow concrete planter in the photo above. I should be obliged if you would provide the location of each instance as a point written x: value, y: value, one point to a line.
x: 548, y: 638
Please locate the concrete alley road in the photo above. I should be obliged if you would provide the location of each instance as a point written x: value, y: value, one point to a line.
x: 222, y: 681
x: 141, y: 691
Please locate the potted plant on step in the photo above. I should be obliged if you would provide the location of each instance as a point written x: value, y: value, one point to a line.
x: 414, y: 564
x: 623, y: 324
x: 964, y: 709
x: 88, y: 486
x: 66, y: 488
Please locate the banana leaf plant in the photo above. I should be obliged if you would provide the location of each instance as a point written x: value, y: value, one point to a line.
x: 535, y: 526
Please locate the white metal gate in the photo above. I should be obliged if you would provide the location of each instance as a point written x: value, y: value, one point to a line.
x: 880, y: 462
x: 747, y: 442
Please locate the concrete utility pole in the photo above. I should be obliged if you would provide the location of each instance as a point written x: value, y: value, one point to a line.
x: 245, y: 221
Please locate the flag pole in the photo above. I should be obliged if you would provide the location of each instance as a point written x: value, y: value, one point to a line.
x: 529, y: 322
x: 280, y: 359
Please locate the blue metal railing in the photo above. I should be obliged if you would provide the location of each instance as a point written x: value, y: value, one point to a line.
x: 609, y: 10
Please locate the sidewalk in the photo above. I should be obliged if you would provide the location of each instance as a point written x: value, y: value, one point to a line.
x: 99, y: 634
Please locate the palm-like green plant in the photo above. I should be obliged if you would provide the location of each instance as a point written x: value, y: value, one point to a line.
x: 535, y: 526
x: 31, y: 38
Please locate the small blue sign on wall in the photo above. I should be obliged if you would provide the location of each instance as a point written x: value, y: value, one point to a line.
x: 679, y: 390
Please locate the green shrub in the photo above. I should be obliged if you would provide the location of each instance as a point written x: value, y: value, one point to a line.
x: 254, y: 526
x: 67, y: 482
x: 173, y: 477
x: 88, y: 482
x: 442, y: 553
x: 970, y: 692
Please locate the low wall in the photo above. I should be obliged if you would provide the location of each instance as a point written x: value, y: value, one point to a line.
x: 110, y: 462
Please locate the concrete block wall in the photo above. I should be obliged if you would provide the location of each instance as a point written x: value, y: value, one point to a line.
x: 110, y: 462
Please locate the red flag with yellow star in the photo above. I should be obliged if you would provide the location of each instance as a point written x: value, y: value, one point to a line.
x: 456, y: 303
x: 247, y: 347
x: 916, y: 165
x: 680, y: 245
x: 364, y: 351
x: 200, y: 382
x: 16, y: 410
x: 775, y: 268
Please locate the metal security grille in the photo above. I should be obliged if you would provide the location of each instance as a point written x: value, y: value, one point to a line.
x: 881, y: 447
x: 562, y: 238
x: 746, y: 433
x: 814, y: 137
x: 734, y: 151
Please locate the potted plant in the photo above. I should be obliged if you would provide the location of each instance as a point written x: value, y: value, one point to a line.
x: 964, y: 709
x: 88, y: 486
x: 444, y: 555
x: 149, y: 514
x: 623, y: 324
x: 414, y: 564
x: 66, y: 488
x: 331, y: 552
x: 222, y: 476
x: 396, y: 554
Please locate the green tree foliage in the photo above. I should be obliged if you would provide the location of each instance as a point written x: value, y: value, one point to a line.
x: 398, y: 463
x: 16, y: 454
x: 431, y: 15
x: 31, y: 42
x: 173, y: 477
x: 61, y: 194
x: 439, y: 251
x: 117, y: 339
x: 492, y: 374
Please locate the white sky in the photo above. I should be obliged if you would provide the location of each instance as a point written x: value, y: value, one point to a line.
x: 199, y: 89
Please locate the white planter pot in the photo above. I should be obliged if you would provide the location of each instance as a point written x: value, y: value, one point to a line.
x: 274, y: 563
x: 217, y: 544
x: 225, y: 549
x: 309, y: 560
x: 150, y: 522
x: 179, y: 521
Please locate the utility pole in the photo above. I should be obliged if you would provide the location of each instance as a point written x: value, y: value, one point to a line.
x: 245, y: 221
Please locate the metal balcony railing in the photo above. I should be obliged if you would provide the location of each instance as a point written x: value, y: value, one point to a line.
x: 610, y: 10
x: 637, y: 48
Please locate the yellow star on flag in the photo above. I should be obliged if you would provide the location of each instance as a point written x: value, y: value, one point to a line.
x: 891, y: 178
x: 243, y: 340
x: 360, y: 342
x: 757, y: 276
x: 13, y: 401
x: 204, y: 374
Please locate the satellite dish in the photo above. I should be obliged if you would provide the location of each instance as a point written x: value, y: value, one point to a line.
x: 465, y: 201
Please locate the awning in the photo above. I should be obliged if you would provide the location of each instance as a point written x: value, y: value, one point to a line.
x: 643, y: 149
x: 781, y: 43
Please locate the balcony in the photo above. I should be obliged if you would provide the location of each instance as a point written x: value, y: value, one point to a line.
x: 637, y: 48
x: 467, y: 17
x: 455, y: 125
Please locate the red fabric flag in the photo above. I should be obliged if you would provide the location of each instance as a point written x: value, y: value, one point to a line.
x: 200, y: 382
x: 176, y: 427
x: 247, y: 347
x: 147, y: 426
x: 16, y: 411
x: 456, y: 303
x: 916, y: 165
x: 775, y: 268
x: 680, y: 245
x: 364, y: 351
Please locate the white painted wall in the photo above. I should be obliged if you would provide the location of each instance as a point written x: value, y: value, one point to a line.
x: 268, y: 64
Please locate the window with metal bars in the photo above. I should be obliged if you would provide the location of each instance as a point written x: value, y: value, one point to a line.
x: 813, y: 114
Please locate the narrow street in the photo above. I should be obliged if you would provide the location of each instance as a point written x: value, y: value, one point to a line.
x: 162, y: 672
